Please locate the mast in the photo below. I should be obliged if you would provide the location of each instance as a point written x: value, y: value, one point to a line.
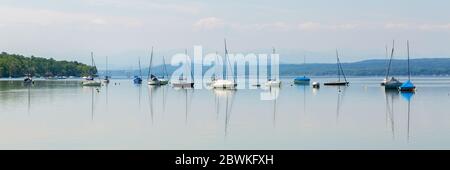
x: 271, y: 74
x: 229, y: 63
x: 186, y: 65
x: 106, y: 73
x: 409, y: 72
x: 304, y: 63
x: 140, y: 71
x: 340, y: 69
x: 390, y: 60
x: 337, y: 63
x: 165, y: 69
x: 150, y: 65
x: 226, y: 60
x: 92, y: 64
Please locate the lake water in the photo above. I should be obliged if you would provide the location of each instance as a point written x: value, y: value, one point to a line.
x: 64, y: 115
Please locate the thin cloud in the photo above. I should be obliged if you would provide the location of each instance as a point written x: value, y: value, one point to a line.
x: 209, y: 23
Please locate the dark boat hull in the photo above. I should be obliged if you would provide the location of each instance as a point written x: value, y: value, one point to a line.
x: 409, y: 89
x: 336, y: 84
x: 183, y: 85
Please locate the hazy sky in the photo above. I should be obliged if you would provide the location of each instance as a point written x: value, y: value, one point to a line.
x: 126, y: 29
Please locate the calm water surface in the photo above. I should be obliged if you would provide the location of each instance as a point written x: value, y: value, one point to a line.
x: 64, y: 115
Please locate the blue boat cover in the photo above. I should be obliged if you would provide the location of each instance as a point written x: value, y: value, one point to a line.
x: 304, y: 78
x: 407, y: 84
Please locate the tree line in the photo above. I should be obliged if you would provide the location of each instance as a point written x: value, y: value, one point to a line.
x: 13, y: 65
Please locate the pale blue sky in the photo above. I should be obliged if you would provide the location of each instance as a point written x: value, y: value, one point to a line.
x: 125, y: 30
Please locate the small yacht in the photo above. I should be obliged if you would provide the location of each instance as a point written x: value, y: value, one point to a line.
x: 273, y: 83
x: 225, y: 83
x: 138, y: 79
x: 28, y: 79
x: 392, y: 83
x: 302, y: 80
x: 316, y: 85
x: 90, y: 80
x: 164, y: 79
x: 340, y: 71
x: 408, y: 86
x: 152, y: 79
x: 183, y: 81
x: 106, y: 79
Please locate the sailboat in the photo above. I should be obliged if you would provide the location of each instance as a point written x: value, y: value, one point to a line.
x: 106, y: 79
x: 273, y: 82
x: 152, y: 79
x: 214, y: 78
x: 138, y: 79
x: 183, y: 81
x: 164, y: 79
x: 408, y: 86
x: 303, y: 79
x: 28, y: 78
x: 90, y: 80
x: 340, y: 71
x: 225, y: 83
x: 392, y: 83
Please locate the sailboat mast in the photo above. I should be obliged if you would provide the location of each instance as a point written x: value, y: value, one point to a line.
x: 140, y: 71
x: 106, y: 72
x: 390, y: 60
x: 226, y: 60
x: 186, y: 65
x: 92, y: 63
x: 150, y: 65
x: 229, y: 63
x: 409, y: 72
x: 337, y: 63
x: 165, y: 69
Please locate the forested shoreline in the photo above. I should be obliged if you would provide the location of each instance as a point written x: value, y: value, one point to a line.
x: 14, y: 65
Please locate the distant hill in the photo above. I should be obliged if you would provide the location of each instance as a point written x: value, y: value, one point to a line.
x: 429, y: 66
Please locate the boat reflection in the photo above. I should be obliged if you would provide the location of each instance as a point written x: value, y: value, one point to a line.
x: 29, y: 98
x: 391, y: 97
x: 408, y: 97
x: 227, y: 97
x: 340, y: 98
x: 274, y: 91
x: 151, y: 93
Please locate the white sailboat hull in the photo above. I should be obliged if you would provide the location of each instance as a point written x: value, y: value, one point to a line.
x: 91, y: 83
x: 273, y: 83
x: 224, y: 84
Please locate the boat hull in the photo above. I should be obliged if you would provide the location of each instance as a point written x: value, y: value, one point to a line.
x: 183, y: 85
x: 392, y: 86
x: 336, y: 84
x: 91, y: 83
x: 163, y: 82
x: 302, y: 80
x: 407, y: 89
x: 224, y: 84
x: 274, y: 83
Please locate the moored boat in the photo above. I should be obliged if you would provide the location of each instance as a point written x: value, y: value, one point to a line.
x: 408, y: 86
x: 340, y: 71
